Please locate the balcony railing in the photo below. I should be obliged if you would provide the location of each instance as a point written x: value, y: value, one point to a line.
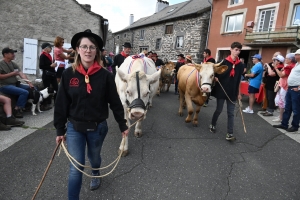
x: 279, y: 34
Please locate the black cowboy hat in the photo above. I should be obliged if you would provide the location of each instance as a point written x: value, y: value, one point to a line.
x: 181, y: 55
x: 86, y: 33
x: 127, y: 45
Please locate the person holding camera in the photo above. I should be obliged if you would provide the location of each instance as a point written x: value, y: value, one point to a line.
x: 255, y: 81
x: 271, y: 76
x: 9, y: 83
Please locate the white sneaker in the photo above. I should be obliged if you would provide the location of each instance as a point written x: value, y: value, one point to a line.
x: 247, y: 110
x: 277, y: 119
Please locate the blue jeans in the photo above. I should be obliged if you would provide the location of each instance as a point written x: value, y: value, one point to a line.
x: 77, y: 142
x: 292, y: 104
x: 230, y: 114
x: 21, y: 92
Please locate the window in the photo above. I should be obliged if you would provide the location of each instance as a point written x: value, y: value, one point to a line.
x: 296, y: 16
x: 158, y: 43
x: 144, y: 48
x: 232, y: 2
x: 118, y: 37
x: 234, y: 23
x: 266, y: 20
x: 142, y: 34
x: 125, y: 35
x: 179, y: 42
x: 169, y: 29
x: 117, y: 49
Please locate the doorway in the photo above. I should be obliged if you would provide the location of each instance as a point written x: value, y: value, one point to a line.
x: 246, y: 54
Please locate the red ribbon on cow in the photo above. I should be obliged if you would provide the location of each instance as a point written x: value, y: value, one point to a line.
x: 137, y: 56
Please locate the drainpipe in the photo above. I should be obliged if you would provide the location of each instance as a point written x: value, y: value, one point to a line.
x: 211, y: 6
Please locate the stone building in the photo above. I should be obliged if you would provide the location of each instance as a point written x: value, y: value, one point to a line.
x: 172, y: 29
x: 25, y: 25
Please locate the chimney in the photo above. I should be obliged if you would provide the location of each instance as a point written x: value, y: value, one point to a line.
x: 87, y: 7
x: 131, y: 18
x: 161, y: 5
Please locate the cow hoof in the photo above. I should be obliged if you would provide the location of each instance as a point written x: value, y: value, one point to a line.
x: 195, y: 125
x: 187, y: 121
x: 124, y: 153
x: 138, y: 134
x: 180, y: 114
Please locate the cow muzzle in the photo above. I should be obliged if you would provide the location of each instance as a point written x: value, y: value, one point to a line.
x: 137, y: 103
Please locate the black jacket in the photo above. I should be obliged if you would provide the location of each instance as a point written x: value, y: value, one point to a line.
x: 45, y: 63
x: 118, y: 60
x: 74, y: 102
x: 159, y: 62
x: 270, y: 80
x: 229, y: 83
x: 178, y: 65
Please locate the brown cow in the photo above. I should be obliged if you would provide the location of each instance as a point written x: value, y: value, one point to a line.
x: 167, y: 73
x: 194, y: 82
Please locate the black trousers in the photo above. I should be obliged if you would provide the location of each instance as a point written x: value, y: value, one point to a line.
x: 270, y: 95
x: 47, y: 81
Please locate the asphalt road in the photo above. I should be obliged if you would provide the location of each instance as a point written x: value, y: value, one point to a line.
x: 173, y: 160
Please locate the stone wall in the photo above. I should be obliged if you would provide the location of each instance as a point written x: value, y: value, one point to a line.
x: 194, y: 30
x: 43, y: 20
x: 109, y: 46
x: 122, y: 37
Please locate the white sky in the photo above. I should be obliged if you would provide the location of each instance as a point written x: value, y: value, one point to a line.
x: 118, y: 11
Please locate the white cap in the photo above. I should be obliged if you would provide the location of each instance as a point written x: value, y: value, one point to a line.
x: 280, y: 58
x: 298, y: 51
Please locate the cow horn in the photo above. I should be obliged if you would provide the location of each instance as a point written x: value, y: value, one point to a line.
x: 218, y: 64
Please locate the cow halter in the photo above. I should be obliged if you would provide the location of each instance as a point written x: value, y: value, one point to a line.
x: 137, y: 103
x: 197, y: 79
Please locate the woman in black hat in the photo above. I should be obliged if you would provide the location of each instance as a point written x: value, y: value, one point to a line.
x: 82, y: 102
x: 119, y: 59
x: 49, y: 75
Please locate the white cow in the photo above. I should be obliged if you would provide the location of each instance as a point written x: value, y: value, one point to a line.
x: 137, y: 81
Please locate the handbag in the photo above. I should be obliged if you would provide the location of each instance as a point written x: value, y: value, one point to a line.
x: 48, y: 73
x: 84, y: 127
x: 276, y: 86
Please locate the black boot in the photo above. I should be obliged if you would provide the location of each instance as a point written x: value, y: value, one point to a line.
x: 3, y: 127
x: 17, y: 113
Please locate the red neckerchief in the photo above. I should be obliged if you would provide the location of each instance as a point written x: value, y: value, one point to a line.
x: 181, y: 61
x: 234, y: 62
x: 206, y: 59
x: 47, y: 54
x: 124, y: 54
x: 91, y: 70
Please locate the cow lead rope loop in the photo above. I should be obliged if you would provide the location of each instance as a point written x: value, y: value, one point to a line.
x: 72, y: 159
x: 239, y: 105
